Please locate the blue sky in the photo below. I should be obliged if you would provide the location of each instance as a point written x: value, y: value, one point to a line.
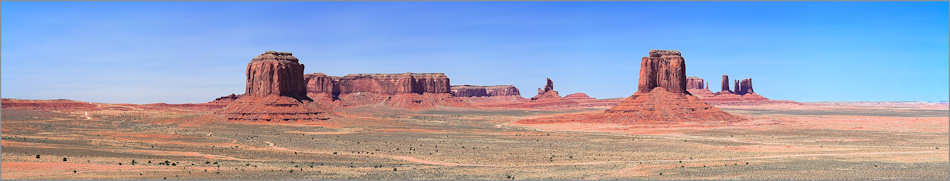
x: 181, y: 52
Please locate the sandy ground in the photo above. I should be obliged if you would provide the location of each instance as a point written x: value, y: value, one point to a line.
x: 777, y: 141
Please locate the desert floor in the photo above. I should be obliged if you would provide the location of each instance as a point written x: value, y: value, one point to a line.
x: 779, y: 141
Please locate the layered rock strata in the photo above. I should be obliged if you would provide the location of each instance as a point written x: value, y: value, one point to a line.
x: 548, y: 93
x: 695, y: 83
x: 662, y: 96
x: 276, y: 91
x: 275, y: 73
x: 662, y: 68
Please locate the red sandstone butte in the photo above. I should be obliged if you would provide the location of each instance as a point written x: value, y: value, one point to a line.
x: 725, y: 84
x: 745, y: 87
x: 276, y: 90
x: 547, y: 93
x: 664, y: 70
x: 320, y: 85
x: 694, y: 83
x: 275, y: 73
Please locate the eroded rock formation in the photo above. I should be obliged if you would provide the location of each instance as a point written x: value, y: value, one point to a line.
x: 742, y: 93
x: 384, y: 84
x: 745, y: 87
x: 322, y: 86
x: 695, y: 83
x: 276, y: 91
x: 275, y: 73
x: 663, y: 68
x: 666, y: 69
x: 725, y: 84
x: 225, y: 99
x: 547, y: 93
x: 484, y: 91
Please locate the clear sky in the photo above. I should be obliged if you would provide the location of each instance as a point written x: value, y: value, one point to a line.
x: 186, y: 52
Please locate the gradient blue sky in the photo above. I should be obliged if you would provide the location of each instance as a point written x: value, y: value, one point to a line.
x: 180, y: 52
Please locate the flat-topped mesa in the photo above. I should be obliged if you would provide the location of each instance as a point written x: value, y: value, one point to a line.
x: 548, y: 91
x: 275, y: 73
x: 663, y: 68
x: 391, y: 84
x: 484, y: 91
x: 695, y: 83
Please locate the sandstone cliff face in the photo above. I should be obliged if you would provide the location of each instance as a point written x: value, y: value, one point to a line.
x: 319, y: 84
x: 276, y: 90
x: 275, y: 73
x: 745, y: 87
x: 695, y: 83
x: 736, y: 85
x: 392, y: 84
x: 430, y: 83
x: 663, y: 68
x: 725, y: 84
x: 547, y: 93
x: 549, y: 86
x: 484, y: 91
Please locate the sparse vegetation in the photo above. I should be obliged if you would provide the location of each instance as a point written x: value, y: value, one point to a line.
x: 453, y: 146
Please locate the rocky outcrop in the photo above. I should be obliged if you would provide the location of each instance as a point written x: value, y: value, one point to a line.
x: 276, y: 91
x: 580, y: 96
x: 436, y: 83
x: 741, y: 87
x: 321, y: 85
x: 695, y: 83
x: 392, y: 84
x: 742, y: 93
x: 736, y: 85
x: 662, y: 68
x: 484, y: 91
x: 547, y: 93
x: 225, y: 99
x: 725, y: 84
x: 666, y: 69
x: 275, y: 73
x: 745, y: 87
